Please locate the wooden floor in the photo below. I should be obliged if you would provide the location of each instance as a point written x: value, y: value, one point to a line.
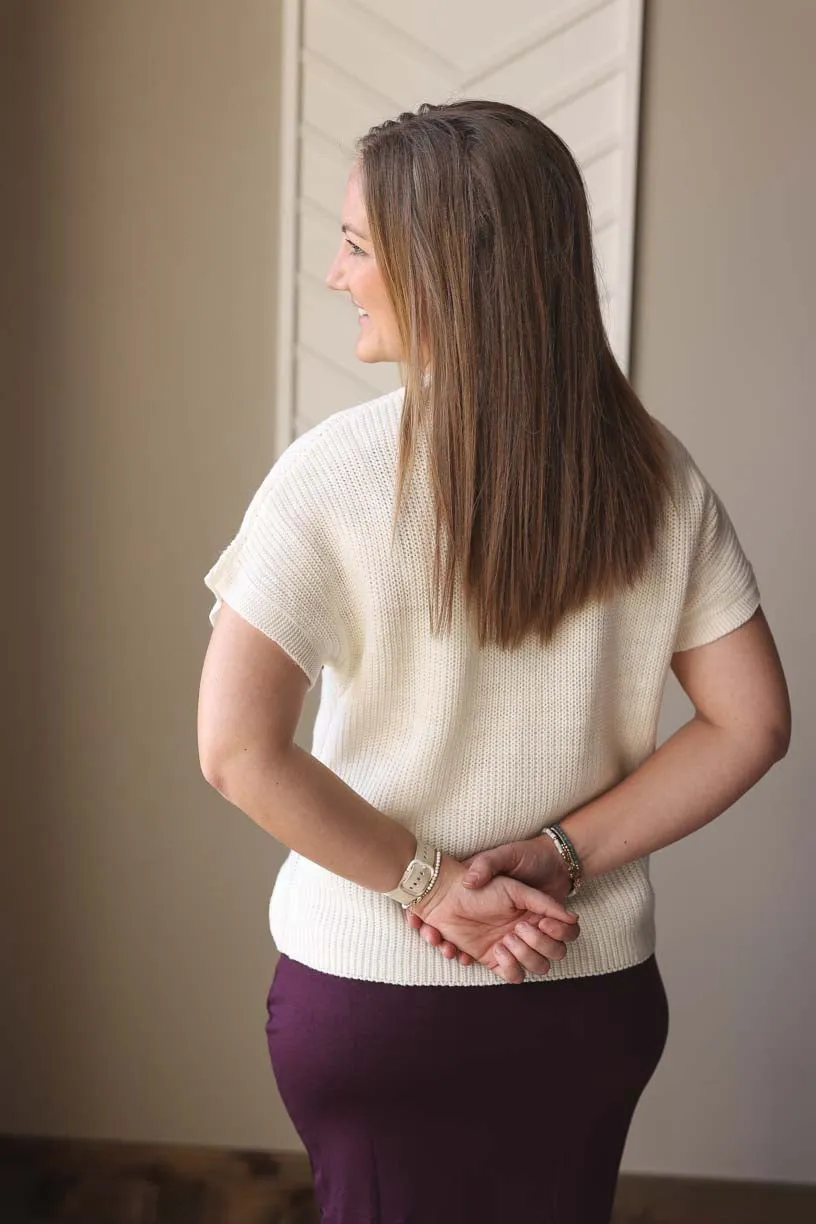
x: 57, y: 1182
x: 46, y: 1181
x: 688, y: 1200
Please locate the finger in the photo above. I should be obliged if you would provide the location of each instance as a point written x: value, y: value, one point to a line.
x: 507, y: 966
x: 558, y: 930
x: 541, y: 942
x: 488, y: 864
x: 431, y: 935
x: 450, y: 950
x: 566, y: 932
x: 539, y: 903
x: 529, y: 959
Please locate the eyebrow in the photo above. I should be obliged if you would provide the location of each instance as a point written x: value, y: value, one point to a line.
x: 349, y: 229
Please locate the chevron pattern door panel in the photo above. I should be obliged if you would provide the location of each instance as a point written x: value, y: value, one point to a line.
x: 353, y: 63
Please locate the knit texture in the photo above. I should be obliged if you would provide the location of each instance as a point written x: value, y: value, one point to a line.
x: 467, y: 747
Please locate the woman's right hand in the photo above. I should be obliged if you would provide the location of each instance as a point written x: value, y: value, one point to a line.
x: 536, y: 861
x: 482, y: 922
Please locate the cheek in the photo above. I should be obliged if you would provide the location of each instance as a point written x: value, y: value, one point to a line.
x: 385, y: 311
x: 372, y: 290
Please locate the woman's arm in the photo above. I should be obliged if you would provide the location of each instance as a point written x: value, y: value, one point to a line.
x: 250, y: 701
x: 740, y: 728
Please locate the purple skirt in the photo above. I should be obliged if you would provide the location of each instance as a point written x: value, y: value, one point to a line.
x: 464, y: 1105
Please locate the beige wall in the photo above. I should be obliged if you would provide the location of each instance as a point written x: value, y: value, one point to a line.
x: 144, y: 236
x: 140, y: 317
x: 726, y: 302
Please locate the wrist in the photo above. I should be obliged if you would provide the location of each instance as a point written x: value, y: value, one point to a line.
x: 574, y: 826
x: 419, y: 876
x: 547, y: 848
x: 449, y: 872
x: 563, y: 846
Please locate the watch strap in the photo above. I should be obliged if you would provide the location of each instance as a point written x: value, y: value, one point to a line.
x: 417, y: 875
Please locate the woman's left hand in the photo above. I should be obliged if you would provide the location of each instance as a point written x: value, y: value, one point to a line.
x: 508, y: 926
x: 535, y: 862
x: 547, y: 937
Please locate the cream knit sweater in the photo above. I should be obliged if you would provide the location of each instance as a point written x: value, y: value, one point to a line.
x: 468, y: 748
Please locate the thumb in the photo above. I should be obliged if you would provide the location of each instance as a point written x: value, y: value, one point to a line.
x: 483, y: 867
x: 539, y: 903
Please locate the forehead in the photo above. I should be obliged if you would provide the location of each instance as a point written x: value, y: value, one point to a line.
x: 354, y: 211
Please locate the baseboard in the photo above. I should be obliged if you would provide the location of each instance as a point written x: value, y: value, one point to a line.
x: 71, y: 1181
x: 645, y: 1199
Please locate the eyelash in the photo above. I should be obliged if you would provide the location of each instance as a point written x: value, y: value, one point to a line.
x: 355, y: 250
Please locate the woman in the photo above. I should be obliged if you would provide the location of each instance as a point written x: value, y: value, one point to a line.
x: 494, y: 569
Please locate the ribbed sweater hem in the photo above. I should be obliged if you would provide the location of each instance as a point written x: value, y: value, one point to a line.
x: 335, y: 927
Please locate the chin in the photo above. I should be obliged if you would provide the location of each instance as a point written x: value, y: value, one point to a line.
x: 372, y: 353
x: 369, y: 354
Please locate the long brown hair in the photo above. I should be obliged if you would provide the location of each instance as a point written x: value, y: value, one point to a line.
x: 549, y: 477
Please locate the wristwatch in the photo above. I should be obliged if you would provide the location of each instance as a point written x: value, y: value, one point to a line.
x: 420, y: 873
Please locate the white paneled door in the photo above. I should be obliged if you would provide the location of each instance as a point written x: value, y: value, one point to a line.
x: 350, y: 64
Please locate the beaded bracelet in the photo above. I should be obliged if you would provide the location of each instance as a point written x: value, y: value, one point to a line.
x: 569, y: 854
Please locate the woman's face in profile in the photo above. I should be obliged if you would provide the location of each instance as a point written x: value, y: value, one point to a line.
x: 355, y: 271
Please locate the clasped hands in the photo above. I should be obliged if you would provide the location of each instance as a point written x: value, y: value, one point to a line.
x: 502, y: 908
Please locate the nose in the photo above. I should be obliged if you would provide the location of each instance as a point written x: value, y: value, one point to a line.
x: 335, y: 278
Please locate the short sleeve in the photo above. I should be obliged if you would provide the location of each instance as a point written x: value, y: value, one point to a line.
x: 722, y: 591
x: 282, y: 572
